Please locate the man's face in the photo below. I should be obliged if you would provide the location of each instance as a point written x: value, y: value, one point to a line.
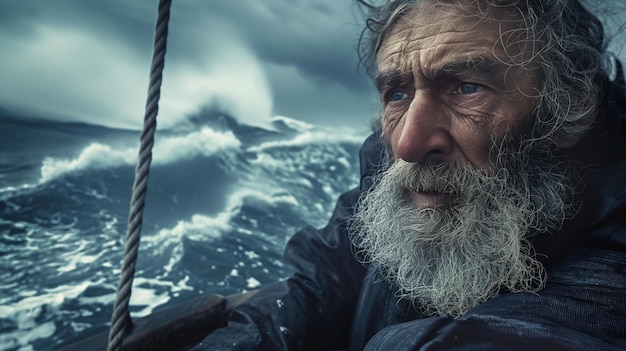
x: 448, y: 89
x: 448, y: 223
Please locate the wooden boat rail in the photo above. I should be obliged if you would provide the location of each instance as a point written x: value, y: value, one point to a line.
x: 178, y: 327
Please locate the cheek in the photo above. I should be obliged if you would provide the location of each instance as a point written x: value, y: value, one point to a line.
x: 477, y: 141
x: 473, y: 141
x: 392, y: 125
x: 515, y: 118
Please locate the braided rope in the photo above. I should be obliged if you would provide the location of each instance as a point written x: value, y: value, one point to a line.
x: 120, y: 320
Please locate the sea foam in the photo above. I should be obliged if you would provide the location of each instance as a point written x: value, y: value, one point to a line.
x: 308, y: 137
x: 204, y: 142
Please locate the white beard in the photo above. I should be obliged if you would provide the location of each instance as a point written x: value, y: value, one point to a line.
x: 447, y: 260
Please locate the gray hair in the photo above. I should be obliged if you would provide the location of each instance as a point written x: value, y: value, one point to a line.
x: 569, y: 50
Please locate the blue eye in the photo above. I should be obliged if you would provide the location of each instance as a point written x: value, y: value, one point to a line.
x: 469, y: 88
x: 397, y: 95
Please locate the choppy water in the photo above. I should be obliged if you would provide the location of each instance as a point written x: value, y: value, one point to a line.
x: 223, y: 200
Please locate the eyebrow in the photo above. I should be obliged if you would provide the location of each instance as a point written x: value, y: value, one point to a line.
x: 476, y: 67
x: 391, y: 78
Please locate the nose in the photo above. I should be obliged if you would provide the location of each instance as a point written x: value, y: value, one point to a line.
x: 425, y: 132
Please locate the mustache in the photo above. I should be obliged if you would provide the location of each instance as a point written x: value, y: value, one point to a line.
x: 458, y: 180
x: 443, y: 177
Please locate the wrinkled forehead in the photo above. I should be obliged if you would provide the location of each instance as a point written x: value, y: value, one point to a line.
x: 466, y: 27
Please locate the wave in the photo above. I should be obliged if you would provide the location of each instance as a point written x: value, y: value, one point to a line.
x: 320, y: 136
x: 215, y: 225
x: 203, y: 227
x: 291, y: 123
x: 204, y: 142
x: 26, y: 312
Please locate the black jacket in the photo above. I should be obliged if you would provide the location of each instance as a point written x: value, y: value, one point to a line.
x: 333, y: 302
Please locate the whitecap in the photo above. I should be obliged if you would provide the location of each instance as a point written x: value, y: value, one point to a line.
x: 321, y: 136
x: 24, y: 337
x: 204, y: 142
x: 95, y: 155
x: 76, y: 260
x: 27, y: 312
x: 251, y: 255
x: 253, y: 283
x: 76, y: 256
x: 149, y: 293
x: 27, y: 309
x: 203, y: 227
x: 293, y: 123
x: 142, y: 296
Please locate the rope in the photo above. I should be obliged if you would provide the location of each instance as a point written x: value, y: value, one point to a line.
x: 120, y: 320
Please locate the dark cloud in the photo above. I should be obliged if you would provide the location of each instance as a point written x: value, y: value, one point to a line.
x: 89, y: 60
x: 128, y: 21
x: 307, y: 49
x: 100, y: 51
x: 318, y: 37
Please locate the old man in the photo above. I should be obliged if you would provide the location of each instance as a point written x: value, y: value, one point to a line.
x: 491, y: 212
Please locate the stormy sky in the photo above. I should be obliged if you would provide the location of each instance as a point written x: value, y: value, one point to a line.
x: 88, y: 60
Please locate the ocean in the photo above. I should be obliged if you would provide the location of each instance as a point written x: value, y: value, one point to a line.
x: 223, y: 200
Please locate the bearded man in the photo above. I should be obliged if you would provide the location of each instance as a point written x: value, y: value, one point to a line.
x: 491, y: 212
